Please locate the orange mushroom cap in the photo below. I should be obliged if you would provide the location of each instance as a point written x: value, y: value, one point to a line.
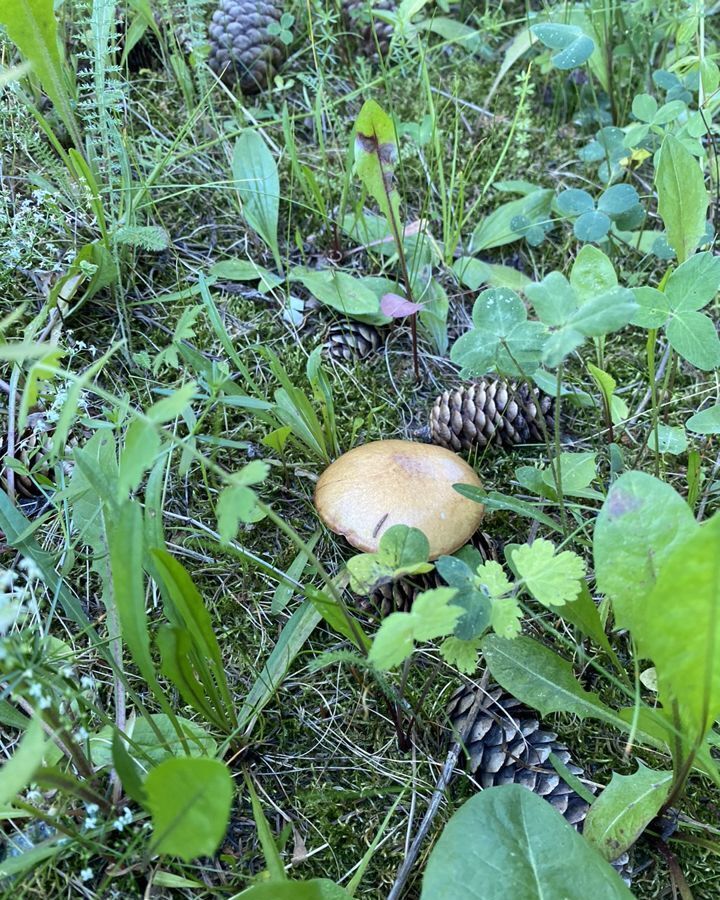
x: 385, y: 483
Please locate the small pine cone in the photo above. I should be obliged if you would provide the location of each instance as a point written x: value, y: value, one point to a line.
x: 242, y: 50
x: 399, y: 596
x: 485, y: 411
x: 349, y: 341
x: 506, y: 745
x: 373, y: 34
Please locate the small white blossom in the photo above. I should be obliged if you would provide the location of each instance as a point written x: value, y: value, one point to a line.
x: 86, y: 874
x: 30, y: 568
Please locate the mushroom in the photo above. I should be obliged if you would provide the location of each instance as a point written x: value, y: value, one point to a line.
x: 384, y: 483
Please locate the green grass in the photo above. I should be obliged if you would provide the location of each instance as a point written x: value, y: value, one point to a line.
x: 324, y: 756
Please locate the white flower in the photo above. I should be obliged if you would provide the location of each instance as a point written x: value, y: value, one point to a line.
x: 30, y: 568
x: 86, y: 874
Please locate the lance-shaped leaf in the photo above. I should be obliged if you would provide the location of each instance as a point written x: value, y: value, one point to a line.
x: 375, y: 158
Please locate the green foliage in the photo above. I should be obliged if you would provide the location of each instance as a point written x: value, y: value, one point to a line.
x: 32, y: 26
x: 623, y: 810
x: 682, y: 198
x: 515, y: 844
x: 25, y: 761
x: 432, y: 616
x: 619, y: 203
x: 572, y: 45
x: 642, y: 521
x: 552, y: 578
x: 402, y: 551
x: 690, y: 288
x: 255, y: 177
x: 375, y: 158
x: 514, y: 219
x: 315, y: 889
x: 189, y: 800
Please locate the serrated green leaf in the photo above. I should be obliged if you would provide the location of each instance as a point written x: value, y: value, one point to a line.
x: 461, y: 654
x: 393, y: 642
x: 505, y: 616
x: 236, y: 503
x: 552, y: 579
x: 433, y: 613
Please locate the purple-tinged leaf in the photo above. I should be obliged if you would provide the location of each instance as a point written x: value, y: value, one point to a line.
x: 397, y: 307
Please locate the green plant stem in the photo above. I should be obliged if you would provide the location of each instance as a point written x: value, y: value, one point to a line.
x: 650, y: 351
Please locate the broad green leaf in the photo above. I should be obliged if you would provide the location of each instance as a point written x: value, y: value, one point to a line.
x: 434, y: 614
x: 17, y: 772
x: 604, y: 313
x: 678, y: 628
x: 621, y: 813
x: 508, y: 842
x: 470, y: 596
x: 592, y: 274
x: 641, y: 522
x: 474, y: 272
x: 539, y: 677
x: 169, y: 408
x: 618, y: 199
x: 553, y: 579
x: 255, y: 177
x: 496, y: 229
x: 402, y: 551
x: 375, y: 158
x: 189, y: 801
x: 670, y: 439
x: 682, y: 197
x: 505, y: 616
x: 343, y: 292
x: 592, y: 226
x: 554, y: 299
x: 573, y: 46
x: 32, y: 27
x: 142, y: 443
x: 244, y: 270
x: 694, y: 336
x: 147, y: 748
x: 578, y: 471
x: 653, y: 308
x: 707, y: 421
x: 694, y: 283
x: 574, y: 202
x: 236, y: 503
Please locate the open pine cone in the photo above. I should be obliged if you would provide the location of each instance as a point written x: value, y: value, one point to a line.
x: 242, y: 50
x: 506, y: 745
x: 490, y: 411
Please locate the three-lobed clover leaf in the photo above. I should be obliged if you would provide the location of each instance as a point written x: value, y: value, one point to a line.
x: 573, y: 46
x: 552, y: 578
x: 689, y: 289
x: 589, y: 304
x: 402, y: 551
x: 608, y: 148
x: 619, y: 203
x: 502, y: 339
x: 651, y: 117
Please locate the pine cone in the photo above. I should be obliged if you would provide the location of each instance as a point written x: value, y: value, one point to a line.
x: 372, y: 33
x: 478, y: 413
x: 399, y: 596
x: 506, y: 745
x: 242, y: 49
x: 350, y: 341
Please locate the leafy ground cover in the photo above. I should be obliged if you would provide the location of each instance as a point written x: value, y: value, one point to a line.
x: 196, y: 700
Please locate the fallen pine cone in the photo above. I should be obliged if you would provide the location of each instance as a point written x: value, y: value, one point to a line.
x: 489, y: 411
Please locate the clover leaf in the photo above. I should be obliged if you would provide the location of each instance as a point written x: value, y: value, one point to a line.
x: 502, y: 339
x: 593, y: 221
x: 402, y: 551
